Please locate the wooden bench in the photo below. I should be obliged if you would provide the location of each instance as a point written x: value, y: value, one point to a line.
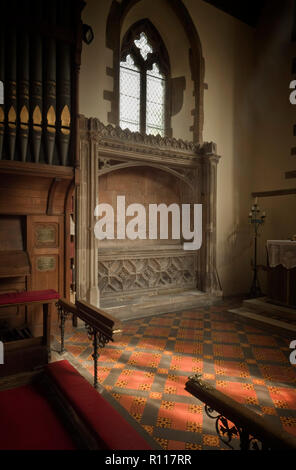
x: 25, y: 354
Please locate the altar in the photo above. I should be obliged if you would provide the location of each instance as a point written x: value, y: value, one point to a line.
x: 281, y: 281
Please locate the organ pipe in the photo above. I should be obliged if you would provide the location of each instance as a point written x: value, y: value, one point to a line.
x: 10, y: 87
x: 36, y: 86
x: 50, y: 88
x: 38, y: 47
x: 23, y: 102
x: 64, y: 101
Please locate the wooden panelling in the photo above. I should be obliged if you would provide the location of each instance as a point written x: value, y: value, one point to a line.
x: 23, y: 194
x: 14, y: 263
x: 11, y: 233
x: 47, y: 261
x: 282, y: 285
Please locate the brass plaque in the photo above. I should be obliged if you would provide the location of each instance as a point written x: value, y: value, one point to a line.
x: 46, y: 235
x: 46, y: 263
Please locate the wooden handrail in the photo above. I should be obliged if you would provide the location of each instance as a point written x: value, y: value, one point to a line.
x: 252, y: 429
x: 101, y: 326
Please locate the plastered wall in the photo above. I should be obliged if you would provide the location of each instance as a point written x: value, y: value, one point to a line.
x: 246, y: 112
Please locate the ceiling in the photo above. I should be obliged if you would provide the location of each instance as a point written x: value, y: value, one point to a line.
x: 245, y: 10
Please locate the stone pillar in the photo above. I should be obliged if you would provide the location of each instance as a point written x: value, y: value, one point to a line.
x: 209, y: 276
x: 87, y: 200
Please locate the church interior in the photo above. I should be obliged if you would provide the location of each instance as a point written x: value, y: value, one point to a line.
x: 116, y: 334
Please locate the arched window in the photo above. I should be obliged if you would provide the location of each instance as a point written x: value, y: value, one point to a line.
x: 144, y: 81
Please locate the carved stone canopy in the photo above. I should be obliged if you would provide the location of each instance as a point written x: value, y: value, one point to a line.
x: 107, y: 148
x: 115, y: 139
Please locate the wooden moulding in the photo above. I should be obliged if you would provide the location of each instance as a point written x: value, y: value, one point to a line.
x: 36, y: 169
x: 276, y: 192
x: 240, y: 415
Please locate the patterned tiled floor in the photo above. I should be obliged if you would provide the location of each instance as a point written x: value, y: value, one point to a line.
x: 147, y: 368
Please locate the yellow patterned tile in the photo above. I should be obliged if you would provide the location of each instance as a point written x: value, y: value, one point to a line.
x: 195, y: 409
x: 222, y: 383
x: 209, y: 440
x: 193, y: 427
x: 251, y: 401
x: 268, y: 410
x: 162, y: 422
x: 167, y: 405
x: 248, y: 386
x: 288, y: 421
x: 148, y: 429
x: 162, y: 442
x: 281, y: 404
x: 155, y: 395
x: 192, y: 446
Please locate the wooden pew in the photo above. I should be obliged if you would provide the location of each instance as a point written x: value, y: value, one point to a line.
x: 55, y: 408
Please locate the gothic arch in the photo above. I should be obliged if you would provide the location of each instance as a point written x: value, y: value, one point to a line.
x: 163, y: 168
x: 117, y: 14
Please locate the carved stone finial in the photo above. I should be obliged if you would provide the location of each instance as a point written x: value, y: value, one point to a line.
x: 209, y: 148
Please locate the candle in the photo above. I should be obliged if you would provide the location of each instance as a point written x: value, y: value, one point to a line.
x: 256, y: 200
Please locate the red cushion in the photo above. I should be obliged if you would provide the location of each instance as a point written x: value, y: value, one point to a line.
x: 30, y: 296
x: 96, y: 412
x: 27, y: 422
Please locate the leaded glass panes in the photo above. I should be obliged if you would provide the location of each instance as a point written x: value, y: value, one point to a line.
x: 155, y: 113
x: 142, y: 90
x: 129, y: 95
x: 143, y: 45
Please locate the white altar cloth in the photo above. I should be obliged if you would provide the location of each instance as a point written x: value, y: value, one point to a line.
x: 282, y: 252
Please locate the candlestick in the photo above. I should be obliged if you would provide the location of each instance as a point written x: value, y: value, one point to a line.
x: 256, y: 221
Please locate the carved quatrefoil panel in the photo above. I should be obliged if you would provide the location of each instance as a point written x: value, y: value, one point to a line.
x: 129, y: 275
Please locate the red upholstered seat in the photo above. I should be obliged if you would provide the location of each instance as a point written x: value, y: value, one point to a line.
x: 27, y: 422
x: 111, y: 428
x: 31, y: 296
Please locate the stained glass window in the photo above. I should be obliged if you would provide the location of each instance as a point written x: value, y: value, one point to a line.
x: 142, y: 90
